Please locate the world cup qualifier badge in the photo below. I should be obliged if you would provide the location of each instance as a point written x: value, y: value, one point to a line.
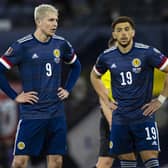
x: 57, y: 54
x: 136, y: 63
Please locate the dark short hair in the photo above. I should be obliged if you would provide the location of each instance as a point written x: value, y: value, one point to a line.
x: 122, y: 19
x: 111, y: 42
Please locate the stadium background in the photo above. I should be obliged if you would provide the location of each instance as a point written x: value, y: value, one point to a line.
x: 86, y: 24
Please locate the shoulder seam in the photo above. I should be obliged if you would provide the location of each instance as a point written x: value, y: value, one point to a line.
x: 110, y: 49
x: 141, y: 45
x: 24, y: 39
x: 58, y: 37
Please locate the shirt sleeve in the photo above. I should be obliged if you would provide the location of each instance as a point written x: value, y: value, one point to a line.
x: 69, y: 56
x: 100, y: 67
x: 157, y: 59
x: 12, y: 56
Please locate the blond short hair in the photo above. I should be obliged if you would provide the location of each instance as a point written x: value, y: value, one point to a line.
x: 41, y: 10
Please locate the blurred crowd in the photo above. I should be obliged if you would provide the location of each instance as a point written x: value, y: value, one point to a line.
x: 77, y: 12
x: 70, y: 10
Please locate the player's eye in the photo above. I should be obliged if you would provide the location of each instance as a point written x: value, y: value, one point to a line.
x: 127, y: 29
x: 118, y: 30
x: 51, y: 20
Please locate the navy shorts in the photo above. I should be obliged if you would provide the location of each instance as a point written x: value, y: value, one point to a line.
x: 36, y: 136
x: 134, y: 137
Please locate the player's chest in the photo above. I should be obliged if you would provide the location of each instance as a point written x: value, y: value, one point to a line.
x: 128, y: 63
x: 43, y: 54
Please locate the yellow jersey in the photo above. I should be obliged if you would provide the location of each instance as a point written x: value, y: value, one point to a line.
x: 106, y: 79
x: 159, y: 78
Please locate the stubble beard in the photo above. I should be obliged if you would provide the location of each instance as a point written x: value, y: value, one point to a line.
x: 124, y: 45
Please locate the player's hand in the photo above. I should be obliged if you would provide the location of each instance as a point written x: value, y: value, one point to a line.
x: 151, y: 107
x: 62, y: 93
x: 113, y: 105
x: 28, y: 97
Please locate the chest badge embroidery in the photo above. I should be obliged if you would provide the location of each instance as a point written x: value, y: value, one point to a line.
x: 57, y: 54
x: 136, y: 63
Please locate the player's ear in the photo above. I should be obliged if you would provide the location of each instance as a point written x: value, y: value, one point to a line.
x: 37, y: 21
x: 114, y: 35
x: 133, y: 33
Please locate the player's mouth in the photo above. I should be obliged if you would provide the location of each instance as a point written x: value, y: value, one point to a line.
x: 53, y: 30
x: 124, y: 39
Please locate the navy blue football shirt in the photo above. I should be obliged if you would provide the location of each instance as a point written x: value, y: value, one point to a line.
x: 40, y: 69
x: 132, y: 79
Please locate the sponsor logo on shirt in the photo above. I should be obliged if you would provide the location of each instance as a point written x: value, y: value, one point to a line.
x: 113, y: 66
x: 35, y: 56
x: 154, y: 143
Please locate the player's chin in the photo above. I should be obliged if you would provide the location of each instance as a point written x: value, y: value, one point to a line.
x: 51, y: 34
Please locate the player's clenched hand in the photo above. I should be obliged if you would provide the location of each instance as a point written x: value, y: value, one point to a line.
x: 151, y: 107
x: 28, y: 97
x: 113, y: 105
x: 62, y: 93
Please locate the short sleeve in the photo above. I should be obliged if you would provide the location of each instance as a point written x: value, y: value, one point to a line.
x: 12, y: 56
x: 156, y: 58
x: 69, y: 56
x: 100, y: 66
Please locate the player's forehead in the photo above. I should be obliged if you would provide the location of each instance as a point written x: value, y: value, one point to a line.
x: 123, y: 25
x: 50, y: 14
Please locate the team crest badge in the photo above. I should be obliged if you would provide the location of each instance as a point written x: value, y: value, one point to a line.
x: 136, y: 63
x: 110, y: 144
x: 21, y: 145
x: 57, y: 54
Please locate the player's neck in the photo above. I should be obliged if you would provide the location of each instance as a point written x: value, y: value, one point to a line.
x: 125, y: 49
x: 41, y: 36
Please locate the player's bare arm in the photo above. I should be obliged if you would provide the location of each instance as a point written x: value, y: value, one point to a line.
x: 101, y: 90
x: 155, y: 104
x: 106, y: 111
